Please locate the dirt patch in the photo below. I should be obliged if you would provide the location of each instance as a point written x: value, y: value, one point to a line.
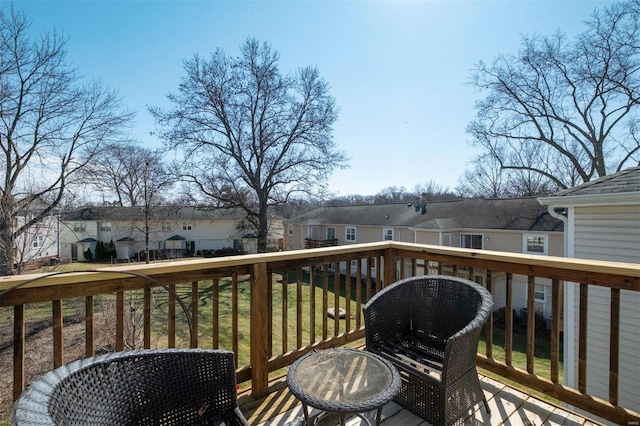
x: 38, y: 354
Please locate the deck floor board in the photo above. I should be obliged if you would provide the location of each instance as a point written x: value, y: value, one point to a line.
x: 509, y: 407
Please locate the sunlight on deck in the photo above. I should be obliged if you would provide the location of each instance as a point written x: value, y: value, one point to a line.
x: 508, y: 407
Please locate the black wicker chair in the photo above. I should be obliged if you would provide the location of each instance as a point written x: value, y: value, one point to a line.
x: 429, y: 328
x: 149, y: 387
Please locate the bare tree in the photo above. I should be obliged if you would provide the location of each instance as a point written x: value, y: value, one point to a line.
x: 51, y: 126
x: 135, y: 175
x: 252, y: 137
x: 565, y: 110
x: 138, y: 177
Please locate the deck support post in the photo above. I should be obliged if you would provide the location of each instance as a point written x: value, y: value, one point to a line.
x: 259, y: 331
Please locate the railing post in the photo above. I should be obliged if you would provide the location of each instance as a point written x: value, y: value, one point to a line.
x: 259, y: 339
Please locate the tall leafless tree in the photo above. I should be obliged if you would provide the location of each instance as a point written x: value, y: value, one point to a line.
x: 137, y: 177
x: 565, y: 110
x: 251, y: 136
x: 51, y: 126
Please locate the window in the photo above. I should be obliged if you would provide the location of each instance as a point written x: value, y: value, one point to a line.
x: 79, y: 227
x: 166, y: 226
x: 539, y: 293
x: 387, y: 234
x: 38, y: 241
x: 186, y: 226
x: 534, y: 244
x: 472, y: 241
x: 331, y: 233
x: 350, y: 233
x: 290, y: 229
x: 105, y: 227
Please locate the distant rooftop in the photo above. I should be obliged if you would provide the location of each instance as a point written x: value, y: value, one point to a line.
x: 509, y: 214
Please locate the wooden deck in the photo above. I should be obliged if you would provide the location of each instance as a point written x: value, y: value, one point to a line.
x: 508, y: 407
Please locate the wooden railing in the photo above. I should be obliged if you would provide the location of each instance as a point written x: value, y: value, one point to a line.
x: 281, y: 300
x: 311, y: 243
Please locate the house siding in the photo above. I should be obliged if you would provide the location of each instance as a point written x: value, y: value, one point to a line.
x: 610, y: 233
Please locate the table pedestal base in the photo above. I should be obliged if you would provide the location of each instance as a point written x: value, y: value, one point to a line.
x: 323, y: 419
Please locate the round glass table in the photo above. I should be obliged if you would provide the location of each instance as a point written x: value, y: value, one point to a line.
x: 343, y: 381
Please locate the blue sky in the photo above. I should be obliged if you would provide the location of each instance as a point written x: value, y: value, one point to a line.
x: 396, y: 68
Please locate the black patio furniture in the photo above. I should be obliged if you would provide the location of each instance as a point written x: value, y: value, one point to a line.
x: 148, y: 387
x: 429, y: 328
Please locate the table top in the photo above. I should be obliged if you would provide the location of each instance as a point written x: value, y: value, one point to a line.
x: 343, y: 380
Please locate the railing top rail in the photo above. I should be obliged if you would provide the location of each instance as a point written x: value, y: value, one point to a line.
x: 210, y: 265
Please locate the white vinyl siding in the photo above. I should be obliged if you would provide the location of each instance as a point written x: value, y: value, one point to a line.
x: 610, y: 233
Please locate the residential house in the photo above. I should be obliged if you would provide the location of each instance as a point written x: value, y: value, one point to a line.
x: 603, y: 223
x: 171, y: 231
x: 517, y: 225
x: 38, y: 244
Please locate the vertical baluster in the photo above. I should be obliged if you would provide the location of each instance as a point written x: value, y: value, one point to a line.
x: 508, y: 326
x: 582, y: 338
x: 378, y: 273
x: 88, y: 327
x: 556, y: 307
x: 146, y: 313
x: 285, y: 310
x: 58, y: 342
x: 414, y: 267
x: 298, y: 307
x: 347, y: 296
x: 215, y: 315
x: 531, y: 295
x: 18, y: 350
x: 325, y: 301
x: 171, y: 319
x: 358, y: 293
x: 488, y: 336
x: 614, y: 346
x: 312, y: 305
x: 270, y: 310
x: 370, y: 261
x: 194, y: 314
x: 336, y: 299
x: 234, y: 316
x: 119, y: 321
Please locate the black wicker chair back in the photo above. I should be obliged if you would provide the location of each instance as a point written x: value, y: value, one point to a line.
x: 429, y: 328
x: 149, y: 387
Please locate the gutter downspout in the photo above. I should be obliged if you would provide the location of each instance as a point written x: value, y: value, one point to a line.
x: 566, y: 216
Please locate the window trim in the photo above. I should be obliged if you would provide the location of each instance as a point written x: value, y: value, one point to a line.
x: 384, y: 234
x: 327, y: 233
x: 290, y: 229
x: 38, y: 241
x: 347, y: 234
x: 481, y: 239
x: 105, y: 227
x: 545, y: 244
